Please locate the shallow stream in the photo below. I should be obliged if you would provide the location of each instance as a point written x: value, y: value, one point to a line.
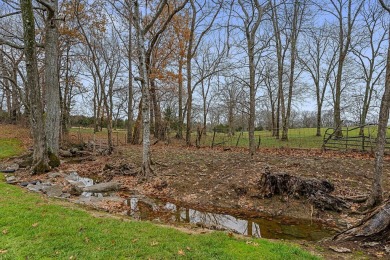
x: 145, y: 208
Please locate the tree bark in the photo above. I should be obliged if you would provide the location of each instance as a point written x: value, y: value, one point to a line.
x: 179, y: 133
x: 250, y: 35
x: 376, y: 195
x: 298, y: 11
x: 53, y: 111
x: 146, y: 161
x: 130, y: 111
x: 40, y: 159
x: 345, y: 42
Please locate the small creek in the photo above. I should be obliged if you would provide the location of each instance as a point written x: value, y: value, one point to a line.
x: 145, y: 208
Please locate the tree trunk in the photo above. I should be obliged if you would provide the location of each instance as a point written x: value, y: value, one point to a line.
x: 179, y: 133
x: 53, y: 113
x: 137, y: 125
x: 318, y: 120
x: 65, y: 111
x: 146, y: 161
x: 376, y: 196
x: 252, y: 95
x: 294, y: 37
x: 159, y: 132
x: 40, y: 159
x: 130, y: 111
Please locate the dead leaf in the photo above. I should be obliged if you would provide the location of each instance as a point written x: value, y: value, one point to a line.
x: 154, y: 243
x: 181, y: 252
x: 379, y: 254
x: 86, y: 240
x: 134, y: 240
x: 3, y: 251
x: 35, y: 224
x: 188, y: 248
x: 5, y: 231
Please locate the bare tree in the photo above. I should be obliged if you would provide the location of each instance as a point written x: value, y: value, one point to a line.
x: 40, y: 158
x: 319, y: 59
x: 376, y: 195
x: 52, y: 90
x: 346, y: 13
x: 299, y: 11
x: 253, y: 13
x: 368, y: 53
x: 199, y: 16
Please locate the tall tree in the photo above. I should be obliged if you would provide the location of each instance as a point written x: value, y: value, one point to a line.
x: 252, y: 17
x: 345, y: 12
x: 369, y: 54
x: 52, y: 90
x: 144, y: 79
x: 40, y: 158
x: 199, y: 15
x: 376, y: 195
x: 319, y: 59
x: 298, y: 13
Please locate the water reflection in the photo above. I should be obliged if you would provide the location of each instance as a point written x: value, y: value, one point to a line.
x: 144, y: 208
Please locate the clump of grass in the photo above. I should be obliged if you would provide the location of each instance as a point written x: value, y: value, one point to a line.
x: 36, y: 228
x: 10, y: 147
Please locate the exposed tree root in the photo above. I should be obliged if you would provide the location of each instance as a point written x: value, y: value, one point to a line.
x: 374, y: 227
x: 317, y: 191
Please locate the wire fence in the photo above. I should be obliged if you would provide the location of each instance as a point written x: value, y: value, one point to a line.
x: 353, y: 138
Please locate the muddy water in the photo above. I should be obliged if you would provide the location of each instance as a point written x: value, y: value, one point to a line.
x: 144, y: 208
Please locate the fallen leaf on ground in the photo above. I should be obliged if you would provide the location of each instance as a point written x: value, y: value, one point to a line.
x: 3, y: 251
x: 35, y: 224
x: 181, y: 252
x: 5, y: 231
x: 154, y: 243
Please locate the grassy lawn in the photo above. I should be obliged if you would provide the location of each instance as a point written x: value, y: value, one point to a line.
x: 10, y: 147
x: 34, y: 227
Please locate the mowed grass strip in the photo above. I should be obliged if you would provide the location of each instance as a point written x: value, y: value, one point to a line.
x: 10, y: 147
x: 33, y: 227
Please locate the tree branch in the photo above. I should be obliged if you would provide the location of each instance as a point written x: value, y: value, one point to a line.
x: 155, y: 17
x: 387, y: 8
x: 10, y: 14
x: 11, y: 44
x: 47, y: 4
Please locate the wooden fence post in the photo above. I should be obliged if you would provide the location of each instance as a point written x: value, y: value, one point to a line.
x: 212, y: 144
x: 238, y: 140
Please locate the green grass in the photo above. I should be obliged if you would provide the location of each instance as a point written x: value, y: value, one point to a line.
x: 10, y: 147
x: 36, y: 228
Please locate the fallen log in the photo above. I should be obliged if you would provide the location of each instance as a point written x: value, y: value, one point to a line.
x: 103, y: 187
x: 316, y: 191
x: 374, y: 227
